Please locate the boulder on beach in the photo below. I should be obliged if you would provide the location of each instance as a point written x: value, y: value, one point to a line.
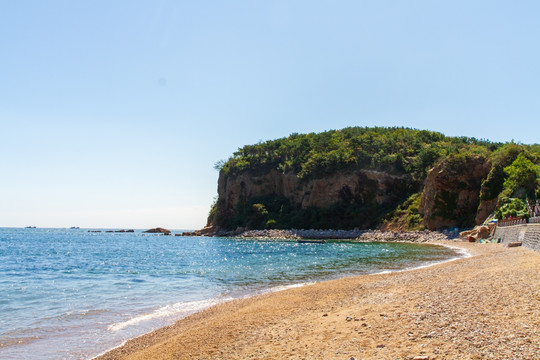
x: 479, y: 232
x: 158, y: 231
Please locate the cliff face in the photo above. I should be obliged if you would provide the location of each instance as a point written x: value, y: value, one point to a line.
x: 322, y: 192
x: 451, y: 193
x: 366, y: 187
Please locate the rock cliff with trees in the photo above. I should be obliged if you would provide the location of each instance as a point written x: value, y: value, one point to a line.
x: 367, y: 178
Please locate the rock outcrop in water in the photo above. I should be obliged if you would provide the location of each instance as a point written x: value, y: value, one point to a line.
x: 158, y: 231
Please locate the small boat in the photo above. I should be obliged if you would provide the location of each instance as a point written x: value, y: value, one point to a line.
x: 311, y: 241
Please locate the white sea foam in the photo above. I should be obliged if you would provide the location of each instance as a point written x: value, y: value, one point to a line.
x: 286, y: 287
x: 462, y: 253
x: 173, y: 310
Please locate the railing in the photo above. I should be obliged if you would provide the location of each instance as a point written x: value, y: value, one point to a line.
x: 534, y: 220
x: 534, y: 208
x: 511, y: 222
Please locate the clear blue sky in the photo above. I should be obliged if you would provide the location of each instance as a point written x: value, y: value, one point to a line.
x: 113, y: 113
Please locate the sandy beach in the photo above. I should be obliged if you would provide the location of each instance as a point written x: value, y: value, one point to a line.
x: 486, y: 306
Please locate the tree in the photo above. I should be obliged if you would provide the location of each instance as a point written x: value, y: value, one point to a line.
x: 521, y: 177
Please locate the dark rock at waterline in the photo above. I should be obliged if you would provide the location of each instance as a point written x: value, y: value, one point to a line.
x: 158, y: 231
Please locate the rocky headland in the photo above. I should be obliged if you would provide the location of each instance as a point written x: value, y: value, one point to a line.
x: 392, y: 179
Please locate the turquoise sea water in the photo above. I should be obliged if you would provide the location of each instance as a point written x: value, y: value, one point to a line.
x: 72, y: 294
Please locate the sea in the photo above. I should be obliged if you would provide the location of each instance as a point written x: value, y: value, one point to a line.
x: 75, y: 294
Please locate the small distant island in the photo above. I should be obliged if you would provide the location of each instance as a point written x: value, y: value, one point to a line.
x: 373, y: 178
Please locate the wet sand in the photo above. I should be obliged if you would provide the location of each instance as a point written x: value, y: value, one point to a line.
x: 483, y: 307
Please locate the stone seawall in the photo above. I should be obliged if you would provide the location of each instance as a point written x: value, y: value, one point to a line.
x: 527, y: 234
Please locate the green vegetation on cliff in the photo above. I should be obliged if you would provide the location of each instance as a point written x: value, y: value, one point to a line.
x: 394, y: 150
x: 513, y: 208
x: 399, y: 153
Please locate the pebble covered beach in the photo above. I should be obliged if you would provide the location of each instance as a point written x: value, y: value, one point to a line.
x: 486, y: 306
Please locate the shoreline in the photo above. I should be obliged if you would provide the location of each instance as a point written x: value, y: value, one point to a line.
x: 355, y: 234
x: 239, y: 319
x: 463, y: 252
x: 460, y: 253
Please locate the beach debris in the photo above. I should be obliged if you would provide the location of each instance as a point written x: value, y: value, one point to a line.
x: 421, y: 357
x: 348, y: 318
x: 513, y: 244
x: 325, y: 314
x: 380, y: 346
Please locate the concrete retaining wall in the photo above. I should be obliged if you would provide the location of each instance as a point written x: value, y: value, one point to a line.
x: 528, y: 234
